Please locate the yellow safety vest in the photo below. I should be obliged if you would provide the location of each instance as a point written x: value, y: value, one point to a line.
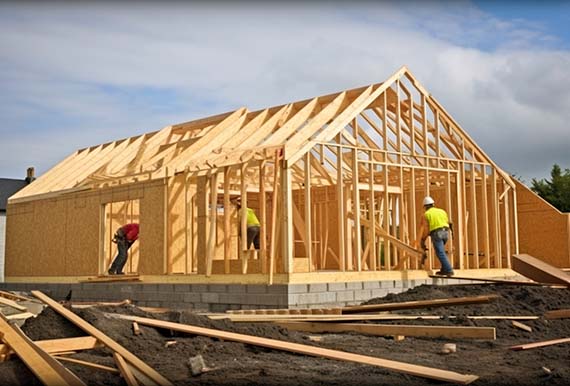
x: 436, y: 218
x: 252, y: 218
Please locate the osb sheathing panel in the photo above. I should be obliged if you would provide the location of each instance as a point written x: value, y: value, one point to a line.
x: 19, y: 254
x: 151, y: 236
x: 543, y: 230
x: 81, y: 236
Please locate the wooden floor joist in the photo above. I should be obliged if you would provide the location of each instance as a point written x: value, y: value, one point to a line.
x: 110, y: 343
x: 529, y: 346
x: 539, y: 270
x: 418, y: 304
x: 46, y: 368
x: 394, y: 329
x: 420, y: 371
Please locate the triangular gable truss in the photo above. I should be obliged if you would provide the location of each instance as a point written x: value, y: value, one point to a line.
x: 397, y: 119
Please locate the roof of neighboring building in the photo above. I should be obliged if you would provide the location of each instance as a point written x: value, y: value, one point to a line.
x: 9, y: 186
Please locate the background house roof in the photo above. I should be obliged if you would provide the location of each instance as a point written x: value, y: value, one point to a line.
x: 9, y: 186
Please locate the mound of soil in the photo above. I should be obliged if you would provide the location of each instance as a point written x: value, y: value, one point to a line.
x: 233, y: 363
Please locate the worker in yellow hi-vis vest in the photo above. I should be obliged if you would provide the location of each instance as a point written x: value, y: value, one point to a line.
x: 435, y: 224
x: 253, y: 227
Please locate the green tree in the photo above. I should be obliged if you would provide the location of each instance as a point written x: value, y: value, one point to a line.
x: 557, y: 190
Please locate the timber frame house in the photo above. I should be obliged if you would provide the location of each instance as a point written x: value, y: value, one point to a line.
x: 337, y: 182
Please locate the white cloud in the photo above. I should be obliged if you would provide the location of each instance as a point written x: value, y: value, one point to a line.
x: 75, y: 76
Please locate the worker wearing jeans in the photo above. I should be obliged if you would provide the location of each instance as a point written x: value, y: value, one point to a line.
x: 435, y: 224
x: 124, y: 238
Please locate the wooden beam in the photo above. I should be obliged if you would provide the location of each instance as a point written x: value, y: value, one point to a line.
x: 557, y: 314
x: 126, y: 372
x: 227, y: 220
x: 498, y: 281
x: 448, y: 332
x: 87, y: 364
x: 539, y: 270
x: 420, y: 371
x: 12, y: 304
x: 54, y: 346
x: 46, y: 368
x: 90, y: 329
x: 545, y: 343
x: 419, y: 304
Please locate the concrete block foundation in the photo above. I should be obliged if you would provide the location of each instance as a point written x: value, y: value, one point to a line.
x: 222, y: 297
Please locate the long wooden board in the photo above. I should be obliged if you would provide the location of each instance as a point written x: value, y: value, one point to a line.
x: 54, y: 346
x: 90, y: 329
x: 11, y: 296
x: 539, y: 270
x: 419, y: 304
x: 420, y: 371
x: 529, y: 346
x: 47, y: 369
x: 395, y: 329
x: 13, y: 304
x: 88, y: 364
x: 126, y: 372
x: 557, y: 314
x: 498, y: 281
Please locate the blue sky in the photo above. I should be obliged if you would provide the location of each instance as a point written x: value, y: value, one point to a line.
x: 77, y: 75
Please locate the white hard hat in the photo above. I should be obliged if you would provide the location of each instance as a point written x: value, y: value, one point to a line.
x: 428, y: 201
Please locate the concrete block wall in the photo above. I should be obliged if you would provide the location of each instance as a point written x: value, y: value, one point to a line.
x: 223, y: 297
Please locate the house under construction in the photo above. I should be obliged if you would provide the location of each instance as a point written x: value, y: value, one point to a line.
x: 337, y: 182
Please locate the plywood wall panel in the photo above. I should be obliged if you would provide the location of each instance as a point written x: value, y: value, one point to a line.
x: 20, y: 252
x: 82, y: 236
x: 152, y: 230
x: 176, y: 227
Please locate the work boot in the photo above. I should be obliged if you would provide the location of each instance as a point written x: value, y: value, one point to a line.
x: 442, y: 273
x: 110, y: 272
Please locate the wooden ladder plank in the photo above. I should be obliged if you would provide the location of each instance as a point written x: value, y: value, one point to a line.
x: 421, y: 371
x: 90, y: 329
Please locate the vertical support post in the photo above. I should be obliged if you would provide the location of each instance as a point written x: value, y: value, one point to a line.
x: 507, y: 229
x: 243, y: 220
x: 515, y: 227
x: 186, y: 238
x: 213, y: 222
x: 448, y: 209
x: 227, y: 220
x: 485, y: 205
x: 340, y: 202
x: 262, y: 218
x: 459, y: 233
x: 356, y: 206
x: 496, y: 227
x: 287, y: 220
x: 308, y: 205
x: 473, y: 216
x: 371, y: 216
x: 167, y: 266
x: 386, y: 222
x: 275, y: 195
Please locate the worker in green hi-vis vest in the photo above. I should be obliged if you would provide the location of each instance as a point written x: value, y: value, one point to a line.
x: 253, y: 227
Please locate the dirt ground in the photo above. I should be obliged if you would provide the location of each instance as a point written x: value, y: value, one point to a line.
x: 240, y: 364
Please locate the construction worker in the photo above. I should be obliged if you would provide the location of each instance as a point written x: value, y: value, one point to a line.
x: 124, y: 238
x: 435, y: 224
x: 253, y: 226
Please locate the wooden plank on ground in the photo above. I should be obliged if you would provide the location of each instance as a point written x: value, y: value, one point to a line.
x: 395, y: 329
x: 557, y: 314
x: 90, y: 329
x: 55, y: 346
x: 47, y: 369
x: 539, y: 270
x: 522, y: 326
x: 11, y: 296
x: 91, y: 365
x: 498, y: 281
x: 419, y: 304
x: 529, y: 346
x: 23, y: 315
x: 126, y: 372
x: 420, y: 371
x: 13, y: 304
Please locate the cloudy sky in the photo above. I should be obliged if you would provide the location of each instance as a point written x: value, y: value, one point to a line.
x: 76, y: 75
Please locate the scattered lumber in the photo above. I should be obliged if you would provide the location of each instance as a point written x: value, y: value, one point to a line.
x: 539, y: 270
x: 13, y: 304
x: 529, y: 346
x: 497, y: 281
x: 394, y: 329
x: 418, y: 304
x: 99, y: 304
x: 136, y: 328
x: 58, y: 346
x: 353, y: 317
x: 557, y: 314
x: 421, y: 371
x: 126, y: 372
x: 22, y: 315
x: 87, y: 364
x: 11, y: 296
x: 111, y: 278
x: 284, y: 311
x: 522, y: 326
x: 46, y: 368
x: 110, y: 343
